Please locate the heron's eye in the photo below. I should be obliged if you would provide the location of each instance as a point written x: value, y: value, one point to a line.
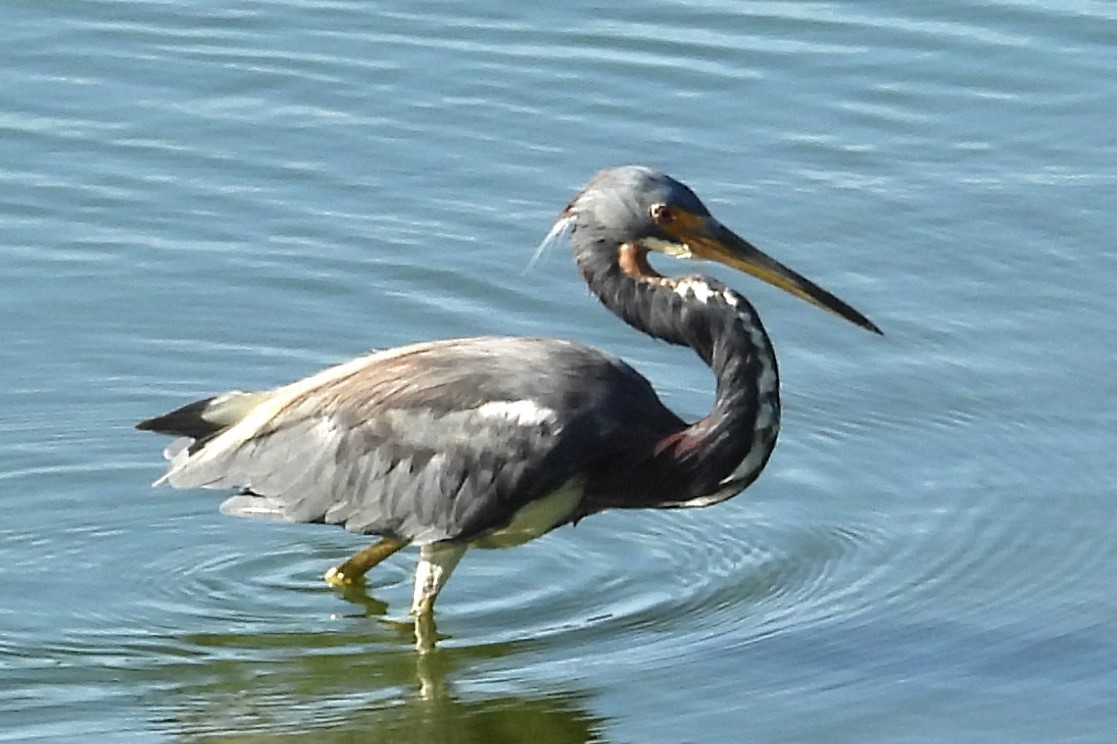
x: 662, y: 214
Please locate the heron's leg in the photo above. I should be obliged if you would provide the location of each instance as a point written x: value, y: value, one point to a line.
x: 436, y: 562
x: 426, y: 634
x: 354, y: 569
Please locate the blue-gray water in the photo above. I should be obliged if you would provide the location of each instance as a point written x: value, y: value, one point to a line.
x: 201, y: 196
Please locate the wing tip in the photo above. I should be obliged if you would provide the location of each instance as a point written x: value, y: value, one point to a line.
x: 252, y: 506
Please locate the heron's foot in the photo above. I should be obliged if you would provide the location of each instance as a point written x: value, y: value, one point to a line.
x: 352, y: 572
x: 336, y: 576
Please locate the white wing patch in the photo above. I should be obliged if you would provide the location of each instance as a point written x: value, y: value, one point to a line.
x: 522, y: 412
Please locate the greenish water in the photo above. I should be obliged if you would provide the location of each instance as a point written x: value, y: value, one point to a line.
x: 195, y: 198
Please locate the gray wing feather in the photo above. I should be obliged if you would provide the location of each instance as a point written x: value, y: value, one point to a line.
x: 430, y: 442
x: 251, y: 505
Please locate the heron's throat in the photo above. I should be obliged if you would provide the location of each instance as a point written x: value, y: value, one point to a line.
x: 696, y: 311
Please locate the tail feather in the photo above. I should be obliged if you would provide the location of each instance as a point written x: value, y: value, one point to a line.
x: 204, y: 418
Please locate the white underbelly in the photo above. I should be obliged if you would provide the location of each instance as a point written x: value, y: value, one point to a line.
x: 534, y: 519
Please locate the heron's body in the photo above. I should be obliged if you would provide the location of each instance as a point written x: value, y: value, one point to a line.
x: 494, y: 441
x: 400, y: 443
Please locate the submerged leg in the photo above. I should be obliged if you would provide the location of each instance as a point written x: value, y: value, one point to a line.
x: 436, y: 562
x: 354, y: 569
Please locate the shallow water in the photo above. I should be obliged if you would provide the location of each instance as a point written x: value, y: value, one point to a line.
x: 196, y: 198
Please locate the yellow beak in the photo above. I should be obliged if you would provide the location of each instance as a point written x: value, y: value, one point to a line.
x: 708, y: 239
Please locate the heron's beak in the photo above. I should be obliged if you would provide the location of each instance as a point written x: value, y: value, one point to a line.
x: 709, y: 239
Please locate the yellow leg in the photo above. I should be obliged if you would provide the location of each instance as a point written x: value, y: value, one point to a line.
x: 436, y: 562
x: 353, y: 570
x: 426, y: 634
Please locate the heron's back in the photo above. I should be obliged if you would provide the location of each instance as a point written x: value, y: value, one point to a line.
x: 430, y: 442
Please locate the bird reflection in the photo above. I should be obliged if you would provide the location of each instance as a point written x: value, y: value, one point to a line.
x: 421, y: 630
x: 330, y: 688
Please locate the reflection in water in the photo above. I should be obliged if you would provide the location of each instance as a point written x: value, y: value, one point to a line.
x: 423, y: 630
x: 197, y: 194
x: 334, y: 688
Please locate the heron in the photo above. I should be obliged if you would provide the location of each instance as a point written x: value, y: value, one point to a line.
x: 490, y: 442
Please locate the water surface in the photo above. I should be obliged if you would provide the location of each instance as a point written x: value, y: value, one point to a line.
x: 196, y: 198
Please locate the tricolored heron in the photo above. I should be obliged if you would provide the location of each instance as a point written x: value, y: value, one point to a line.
x: 491, y: 442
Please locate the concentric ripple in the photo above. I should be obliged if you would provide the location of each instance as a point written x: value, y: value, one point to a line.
x: 198, y: 197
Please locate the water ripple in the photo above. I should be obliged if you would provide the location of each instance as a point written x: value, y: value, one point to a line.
x: 198, y: 198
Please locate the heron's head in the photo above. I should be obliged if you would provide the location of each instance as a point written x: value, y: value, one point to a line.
x: 637, y: 206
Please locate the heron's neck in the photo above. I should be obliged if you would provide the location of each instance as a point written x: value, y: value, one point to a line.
x: 728, y: 448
